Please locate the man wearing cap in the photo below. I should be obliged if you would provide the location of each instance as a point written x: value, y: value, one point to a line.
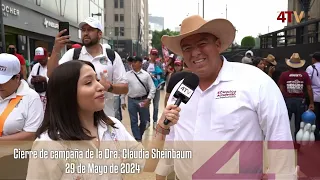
x: 141, y: 92
x: 150, y: 67
x: 230, y: 106
x: 247, y: 59
x: 292, y: 84
x: 13, y: 50
x: 313, y: 72
x: 111, y: 74
x: 38, y: 76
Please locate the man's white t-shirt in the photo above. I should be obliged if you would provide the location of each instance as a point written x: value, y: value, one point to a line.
x: 116, y: 71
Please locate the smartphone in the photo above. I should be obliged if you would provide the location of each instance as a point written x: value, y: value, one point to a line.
x: 62, y: 26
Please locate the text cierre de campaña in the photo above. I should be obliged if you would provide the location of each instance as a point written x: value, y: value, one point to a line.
x: 102, y: 154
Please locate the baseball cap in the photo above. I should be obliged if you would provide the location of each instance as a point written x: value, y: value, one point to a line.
x: 9, y: 66
x: 137, y: 58
x: 154, y: 51
x: 40, y: 53
x: 178, y: 62
x: 76, y: 46
x: 94, y: 23
x: 316, y: 56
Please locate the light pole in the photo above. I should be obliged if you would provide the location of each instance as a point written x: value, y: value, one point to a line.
x: 203, y: 9
x: 305, y: 4
x: 3, y: 34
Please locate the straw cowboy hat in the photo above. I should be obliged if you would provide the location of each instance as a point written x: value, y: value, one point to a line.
x: 295, y: 61
x: 271, y: 59
x: 221, y: 28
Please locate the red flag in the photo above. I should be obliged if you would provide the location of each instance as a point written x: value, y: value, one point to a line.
x: 165, y: 52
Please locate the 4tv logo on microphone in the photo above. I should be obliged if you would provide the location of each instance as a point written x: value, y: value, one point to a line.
x: 185, y: 90
x: 286, y: 16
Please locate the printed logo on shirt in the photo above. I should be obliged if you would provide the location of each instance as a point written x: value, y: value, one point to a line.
x: 3, y: 68
x: 295, y: 75
x: 226, y: 94
x: 295, y: 87
x: 103, y: 60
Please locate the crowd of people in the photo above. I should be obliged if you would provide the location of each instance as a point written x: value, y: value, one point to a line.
x: 299, y: 86
x: 78, y: 96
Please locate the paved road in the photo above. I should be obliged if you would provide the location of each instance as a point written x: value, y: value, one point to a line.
x: 147, y: 136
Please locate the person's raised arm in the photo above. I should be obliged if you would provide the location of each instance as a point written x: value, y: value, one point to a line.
x: 59, y: 44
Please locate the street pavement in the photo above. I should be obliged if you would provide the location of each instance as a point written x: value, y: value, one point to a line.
x: 147, y: 137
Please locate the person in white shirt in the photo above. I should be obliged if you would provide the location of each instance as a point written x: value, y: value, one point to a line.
x: 141, y: 91
x: 236, y: 106
x: 21, y: 115
x: 105, y: 63
x: 247, y: 59
x: 313, y: 72
x: 38, y: 76
x: 74, y: 119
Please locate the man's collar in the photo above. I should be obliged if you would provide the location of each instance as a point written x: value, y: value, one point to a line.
x: 84, y: 50
x: 22, y: 90
x: 136, y: 72
x: 226, y: 72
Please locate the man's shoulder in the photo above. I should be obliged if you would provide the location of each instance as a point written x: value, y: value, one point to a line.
x: 246, y: 69
x: 68, y: 56
x: 144, y: 72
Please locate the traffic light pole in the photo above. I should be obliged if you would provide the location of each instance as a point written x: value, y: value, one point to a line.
x: 3, y: 37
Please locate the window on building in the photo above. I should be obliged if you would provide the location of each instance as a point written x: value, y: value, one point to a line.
x: 116, y: 5
x: 121, y: 17
x: 116, y: 17
x: 116, y: 31
x: 121, y: 31
x: 121, y: 3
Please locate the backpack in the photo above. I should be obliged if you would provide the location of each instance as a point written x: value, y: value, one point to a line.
x: 40, y: 87
x: 110, y: 53
x: 314, y: 68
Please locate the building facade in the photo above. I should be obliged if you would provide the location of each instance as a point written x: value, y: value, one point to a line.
x: 33, y: 23
x: 295, y: 5
x: 156, y: 23
x: 126, y: 23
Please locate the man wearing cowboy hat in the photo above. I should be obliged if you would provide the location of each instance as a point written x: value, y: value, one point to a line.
x: 271, y: 63
x: 233, y: 102
x: 292, y: 84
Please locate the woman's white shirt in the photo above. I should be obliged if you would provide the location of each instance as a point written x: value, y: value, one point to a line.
x: 56, y: 169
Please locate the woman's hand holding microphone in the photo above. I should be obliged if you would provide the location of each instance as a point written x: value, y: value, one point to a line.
x: 171, y: 113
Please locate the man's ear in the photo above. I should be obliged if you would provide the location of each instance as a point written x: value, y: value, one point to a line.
x: 218, y: 44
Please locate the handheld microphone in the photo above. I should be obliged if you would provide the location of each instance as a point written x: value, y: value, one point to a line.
x: 185, y: 91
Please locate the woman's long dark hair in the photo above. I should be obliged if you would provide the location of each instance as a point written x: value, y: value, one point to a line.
x: 61, y: 118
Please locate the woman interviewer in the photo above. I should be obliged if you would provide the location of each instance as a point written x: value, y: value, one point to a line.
x: 74, y: 113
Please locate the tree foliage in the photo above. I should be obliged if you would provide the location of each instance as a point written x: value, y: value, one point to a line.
x: 156, y: 38
x: 248, y: 42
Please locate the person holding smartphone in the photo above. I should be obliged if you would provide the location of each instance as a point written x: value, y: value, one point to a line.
x: 92, y: 51
x: 38, y: 78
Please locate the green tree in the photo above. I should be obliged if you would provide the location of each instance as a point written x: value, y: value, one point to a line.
x: 248, y: 42
x: 156, y: 38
